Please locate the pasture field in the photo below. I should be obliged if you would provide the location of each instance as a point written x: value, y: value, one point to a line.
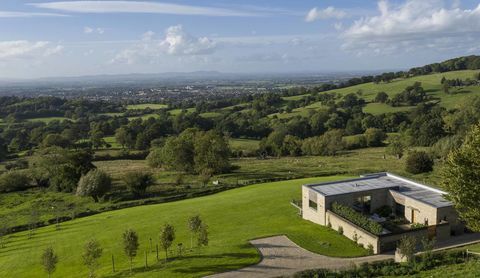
x: 233, y: 218
x: 176, y: 112
x: 48, y: 119
x: 249, y: 145
x: 142, y: 106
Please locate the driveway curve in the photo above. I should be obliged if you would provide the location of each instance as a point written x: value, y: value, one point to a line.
x: 280, y: 256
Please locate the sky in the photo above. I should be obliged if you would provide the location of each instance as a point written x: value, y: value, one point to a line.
x: 40, y: 38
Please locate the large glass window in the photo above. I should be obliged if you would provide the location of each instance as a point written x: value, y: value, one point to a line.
x: 312, y: 204
x: 363, y: 203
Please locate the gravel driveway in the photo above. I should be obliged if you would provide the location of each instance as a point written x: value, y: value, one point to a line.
x: 283, y: 257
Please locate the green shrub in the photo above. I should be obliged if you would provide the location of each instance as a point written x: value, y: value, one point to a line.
x: 370, y: 249
x: 138, y: 182
x: 340, y: 230
x: 13, y: 181
x: 357, y: 218
x: 418, y: 162
x: 94, y: 184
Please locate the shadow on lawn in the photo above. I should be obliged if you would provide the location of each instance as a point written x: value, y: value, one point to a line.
x: 158, y: 266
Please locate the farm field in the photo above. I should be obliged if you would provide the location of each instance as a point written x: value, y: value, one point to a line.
x: 146, y: 105
x: 249, y: 145
x: 175, y: 112
x: 48, y: 119
x: 230, y: 215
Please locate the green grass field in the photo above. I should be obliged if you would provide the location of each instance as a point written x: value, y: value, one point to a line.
x: 49, y: 119
x: 233, y: 217
x: 175, y: 112
x: 144, y: 117
x: 210, y: 115
x: 146, y: 105
x: 249, y: 145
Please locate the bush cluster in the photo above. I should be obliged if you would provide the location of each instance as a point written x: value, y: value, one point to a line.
x: 357, y: 218
x: 388, y: 267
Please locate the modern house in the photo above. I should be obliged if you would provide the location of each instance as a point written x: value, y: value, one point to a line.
x: 400, y: 206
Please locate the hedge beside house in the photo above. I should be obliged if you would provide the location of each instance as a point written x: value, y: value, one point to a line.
x: 358, y: 219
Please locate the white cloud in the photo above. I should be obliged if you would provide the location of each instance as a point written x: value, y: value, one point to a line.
x: 27, y: 49
x: 178, y: 42
x: 53, y: 50
x: 327, y: 13
x: 12, y: 14
x: 138, y: 7
x: 175, y: 43
x: 411, y: 24
x: 91, y: 30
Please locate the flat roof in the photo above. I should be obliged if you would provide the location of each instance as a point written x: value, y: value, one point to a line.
x: 408, y: 188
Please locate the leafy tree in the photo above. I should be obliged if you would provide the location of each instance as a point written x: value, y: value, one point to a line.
x: 202, y: 238
x: 138, y: 182
x: 49, y: 260
x: 273, y: 144
x: 194, y: 224
x: 142, y: 142
x: 94, y: 184
x: 406, y: 247
x: 178, y: 152
x: 396, y: 147
x: 56, y: 140
x: 446, y: 88
x: 123, y: 137
x: 155, y: 158
x: 96, y: 138
x: 375, y: 137
x: 418, y: 162
x: 292, y: 145
x: 427, y: 248
x: 461, y: 179
x: 211, y: 153
x: 167, y: 236
x: 381, y: 97
x: 92, y: 252
x: 130, y: 245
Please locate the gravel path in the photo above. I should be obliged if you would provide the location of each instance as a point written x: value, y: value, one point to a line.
x: 283, y: 257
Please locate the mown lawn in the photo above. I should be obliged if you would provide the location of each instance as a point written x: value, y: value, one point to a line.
x: 233, y: 217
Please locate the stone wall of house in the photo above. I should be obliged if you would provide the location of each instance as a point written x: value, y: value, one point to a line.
x: 424, y: 214
x: 308, y: 213
x: 350, y: 230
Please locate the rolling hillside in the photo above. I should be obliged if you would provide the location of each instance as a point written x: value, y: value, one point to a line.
x: 233, y: 218
x: 431, y: 83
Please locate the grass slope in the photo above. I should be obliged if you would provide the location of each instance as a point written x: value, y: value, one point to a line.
x: 233, y: 218
x: 431, y: 83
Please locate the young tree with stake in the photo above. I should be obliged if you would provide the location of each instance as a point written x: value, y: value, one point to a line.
x: 49, y: 261
x: 202, y: 239
x: 167, y: 236
x: 194, y: 224
x: 91, y: 253
x: 130, y: 245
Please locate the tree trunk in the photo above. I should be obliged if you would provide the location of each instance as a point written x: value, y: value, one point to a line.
x: 166, y: 255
